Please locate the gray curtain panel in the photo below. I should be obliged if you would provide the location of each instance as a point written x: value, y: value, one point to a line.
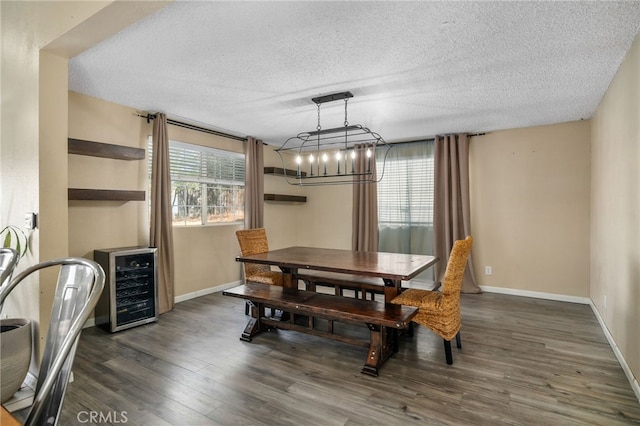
x: 452, y: 213
x: 254, y: 184
x: 364, y: 235
x: 161, y: 226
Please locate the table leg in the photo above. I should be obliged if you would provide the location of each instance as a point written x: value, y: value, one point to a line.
x: 391, y: 289
x: 289, y: 277
x: 254, y: 326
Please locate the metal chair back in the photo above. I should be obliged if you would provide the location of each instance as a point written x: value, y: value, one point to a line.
x: 8, y: 262
x: 80, y: 283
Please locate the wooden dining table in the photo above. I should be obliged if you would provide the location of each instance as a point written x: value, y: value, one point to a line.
x: 390, y: 268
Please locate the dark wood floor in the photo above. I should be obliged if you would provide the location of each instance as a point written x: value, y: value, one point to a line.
x: 524, y: 362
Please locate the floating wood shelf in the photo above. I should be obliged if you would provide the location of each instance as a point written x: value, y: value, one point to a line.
x: 282, y: 172
x: 104, y: 150
x: 105, y: 195
x: 282, y: 197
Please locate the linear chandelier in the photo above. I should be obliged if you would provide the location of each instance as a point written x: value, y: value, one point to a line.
x: 340, y: 155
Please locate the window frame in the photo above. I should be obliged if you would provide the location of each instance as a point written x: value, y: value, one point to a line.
x: 228, y: 181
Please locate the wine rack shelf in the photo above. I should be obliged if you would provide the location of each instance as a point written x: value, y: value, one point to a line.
x: 130, y: 297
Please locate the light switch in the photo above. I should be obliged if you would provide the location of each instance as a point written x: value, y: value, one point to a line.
x: 31, y: 220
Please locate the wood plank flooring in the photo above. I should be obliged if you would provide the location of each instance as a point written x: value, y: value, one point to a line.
x: 523, y: 362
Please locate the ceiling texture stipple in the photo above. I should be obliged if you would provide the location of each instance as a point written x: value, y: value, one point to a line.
x: 416, y: 69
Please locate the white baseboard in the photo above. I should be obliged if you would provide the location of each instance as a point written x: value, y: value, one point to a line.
x: 582, y: 300
x: 537, y: 294
x: 632, y: 380
x: 205, y: 291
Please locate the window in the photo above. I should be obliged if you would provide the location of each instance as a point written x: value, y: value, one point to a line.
x: 405, y: 200
x: 207, y: 184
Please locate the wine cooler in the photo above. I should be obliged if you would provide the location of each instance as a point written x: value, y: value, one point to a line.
x: 130, y: 293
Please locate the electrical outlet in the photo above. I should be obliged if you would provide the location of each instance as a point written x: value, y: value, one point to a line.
x: 488, y: 270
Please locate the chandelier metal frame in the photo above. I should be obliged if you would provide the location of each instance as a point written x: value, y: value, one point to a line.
x: 328, y: 156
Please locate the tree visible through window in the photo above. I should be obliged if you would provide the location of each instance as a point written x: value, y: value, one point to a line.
x: 207, y: 184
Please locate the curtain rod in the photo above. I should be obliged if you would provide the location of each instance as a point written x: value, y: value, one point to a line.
x: 432, y: 139
x: 177, y: 123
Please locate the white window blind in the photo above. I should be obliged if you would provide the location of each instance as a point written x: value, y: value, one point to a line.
x: 197, y: 163
x: 405, y: 194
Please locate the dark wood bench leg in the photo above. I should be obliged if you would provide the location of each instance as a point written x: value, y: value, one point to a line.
x: 458, y: 341
x: 374, y: 357
x: 381, y: 347
x: 254, y: 326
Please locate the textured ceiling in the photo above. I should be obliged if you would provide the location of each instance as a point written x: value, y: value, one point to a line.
x: 416, y: 69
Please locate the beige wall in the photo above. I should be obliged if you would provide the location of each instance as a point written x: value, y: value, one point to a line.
x: 19, y: 184
x: 327, y: 217
x: 324, y: 220
x: 615, y: 209
x: 52, y: 217
x: 282, y: 220
x: 204, y: 255
x: 106, y: 224
x: 530, y: 208
x: 33, y: 129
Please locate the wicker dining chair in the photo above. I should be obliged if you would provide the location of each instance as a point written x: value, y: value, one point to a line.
x: 440, y: 310
x: 254, y: 241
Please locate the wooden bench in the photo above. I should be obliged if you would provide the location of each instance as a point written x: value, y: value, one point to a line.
x: 340, y: 282
x: 383, y: 320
